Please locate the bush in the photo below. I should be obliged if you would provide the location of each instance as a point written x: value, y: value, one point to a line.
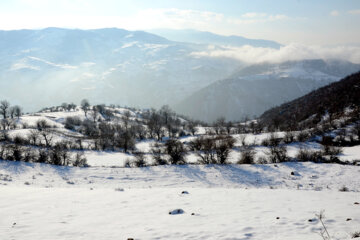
x: 289, y: 137
x: 331, y: 152
x: 157, y: 155
x: 43, y: 156
x: 247, y: 156
x: 223, y: 146
x: 72, y: 122
x: 80, y: 160
x: 278, y: 154
x: 305, y: 155
x: 176, y: 150
x: 272, y: 140
x: 212, y: 150
x: 20, y: 140
x: 29, y: 155
x: 139, y: 159
x: 302, y: 136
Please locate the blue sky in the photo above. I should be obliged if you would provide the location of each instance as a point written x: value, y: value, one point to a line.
x: 322, y: 22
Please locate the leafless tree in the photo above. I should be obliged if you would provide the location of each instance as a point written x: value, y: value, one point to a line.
x: 85, y: 105
x: 4, y: 107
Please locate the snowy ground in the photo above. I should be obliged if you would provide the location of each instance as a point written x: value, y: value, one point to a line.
x: 40, y: 201
x: 245, y: 202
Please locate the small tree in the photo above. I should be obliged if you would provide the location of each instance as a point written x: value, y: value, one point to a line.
x: 204, y: 149
x: 223, y: 146
x: 95, y: 113
x: 4, y: 107
x: 219, y: 124
x: 176, y: 150
x: 157, y: 154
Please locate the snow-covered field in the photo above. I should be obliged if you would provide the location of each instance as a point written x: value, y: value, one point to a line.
x: 109, y: 201
x: 40, y: 201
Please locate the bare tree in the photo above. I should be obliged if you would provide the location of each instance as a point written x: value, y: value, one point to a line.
x: 33, y: 136
x: 95, y: 113
x: 176, y: 150
x: 167, y: 118
x: 46, y: 134
x: 228, y: 126
x: 219, y: 124
x: 155, y: 125
x: 18, y: 111
x: 12, y: 112
x: 4, y: 107
x: 191, y: 126
x: 64, y: 106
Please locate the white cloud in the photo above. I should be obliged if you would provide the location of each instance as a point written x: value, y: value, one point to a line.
x: 354, y: 12
x: 254, y: 15
x: 334, y: 13
x: 289, y: 52
x: 144, y: 19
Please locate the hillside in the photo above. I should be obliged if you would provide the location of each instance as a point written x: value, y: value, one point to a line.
x: 331, y: 100
x: 256, y: 88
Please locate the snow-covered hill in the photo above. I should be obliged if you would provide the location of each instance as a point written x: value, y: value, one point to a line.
x: 256, y: 88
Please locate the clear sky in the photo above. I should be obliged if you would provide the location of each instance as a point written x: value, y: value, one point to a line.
x: 321, y: 22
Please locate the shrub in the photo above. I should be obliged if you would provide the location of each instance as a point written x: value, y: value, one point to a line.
x: 157, y: 155
x: 247, y: 156
x: 29, y: 155
x: 20, y: 140
x: 72, y: 122
x: 272, y: 140
x: 80, y: 160
x: 176, y: 150
x: 223, y: 145
x: 305, y: 155
x: 278, y: 154
x: 139, y: 159
x: 127, y: 163
x: 331, y: 152
x: 302, y: 136
x: 43, y: 156
x: 289, y: 137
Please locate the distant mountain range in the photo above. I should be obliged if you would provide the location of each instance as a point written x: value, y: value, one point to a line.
x: 194, y: 36
x: 40, y: 68
x: 254, y: 89
x: 105, y: 65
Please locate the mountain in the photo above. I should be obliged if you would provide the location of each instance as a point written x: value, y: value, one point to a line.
x: 332, y: 99
x: 254, y: 89
x: 194, y: 36
x: 104, y: 65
